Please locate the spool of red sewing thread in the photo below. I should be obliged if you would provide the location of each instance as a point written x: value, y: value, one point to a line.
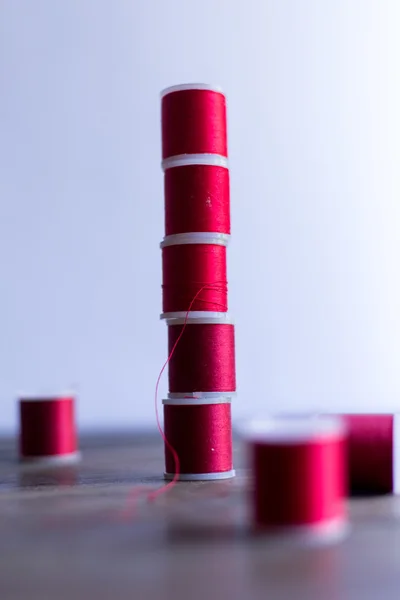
x: 203, y: 359
x: 373, y: 453
x: 200, y: 432
x: 299, y: 469
x: 47, y: 430
x: 197, y: 199
x: 193, y: 120
x: 197, y: 263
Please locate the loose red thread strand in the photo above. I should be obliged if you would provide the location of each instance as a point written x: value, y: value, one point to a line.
x: 153, y: 495
x: 175, y: 479
x: 133, y: 496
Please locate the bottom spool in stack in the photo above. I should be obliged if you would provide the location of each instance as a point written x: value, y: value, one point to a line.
x: 48, y: 430
x: 299, y: 470
x: 200, y: 432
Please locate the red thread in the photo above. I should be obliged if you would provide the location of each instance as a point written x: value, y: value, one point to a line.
x: 370, y: 453
x: 204, y: 360
x: 47, y: 427
x: 133, y: 498
x: 197, y: 199
x: 189, y: 267
x: 299, y: 483
x: 201, y: 436
x: 153, y: 495
x: 193, y: 122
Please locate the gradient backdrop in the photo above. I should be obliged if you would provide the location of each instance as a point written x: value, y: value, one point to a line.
x: 314, y: 128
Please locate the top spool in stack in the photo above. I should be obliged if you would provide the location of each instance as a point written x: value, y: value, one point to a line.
x: 197, y: 231
x: 197, y: 208
x: 194, y: 139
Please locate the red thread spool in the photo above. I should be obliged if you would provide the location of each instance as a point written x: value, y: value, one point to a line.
x: 193, y: 119
x: 187, y: 268
x: 373, y: 453
x: 197, y: 199
x: 299, y: 468
x: 204, y: 358
x: 201, y: 434
x: 47, y: 430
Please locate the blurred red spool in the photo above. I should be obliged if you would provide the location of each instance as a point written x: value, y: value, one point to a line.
x: 204, y: 358
x: 193, y: 120
x: 201, y: 434
x: 372, y: 453
x: 299, y: 468
x: 187, y: 268
x: 197, y: 199
x: 47, y: 430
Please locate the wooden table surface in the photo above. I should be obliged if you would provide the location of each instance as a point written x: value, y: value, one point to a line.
x: 90, y: 533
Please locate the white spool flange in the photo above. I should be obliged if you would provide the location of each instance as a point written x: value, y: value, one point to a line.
x: 182, y: 87
x: 286, y: 430
x: 193, y: 401
x: 184, y: 160
x: 197, y: 317
x: 36, y: 462
x: 202, y: 476
x: 199, y: 395
x: 196, y: 237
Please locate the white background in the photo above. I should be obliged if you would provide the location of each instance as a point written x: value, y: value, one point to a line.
x: 314, y: 94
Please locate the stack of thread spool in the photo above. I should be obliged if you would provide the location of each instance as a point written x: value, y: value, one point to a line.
x: 197, y: 412
x: 304, y: 467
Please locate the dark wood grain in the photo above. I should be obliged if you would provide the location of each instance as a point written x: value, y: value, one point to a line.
x: 90, y: 533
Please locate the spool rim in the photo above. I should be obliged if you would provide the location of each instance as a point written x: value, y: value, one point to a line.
x: 182, y: 87
x: 197, y: 317
x: 185, y: 160
x: 285, y: 430
x: 47, y: 397
x: 50, y: 460
x: 202, y: 476
x: 324, y: 532
x: 196, y: 237
x: 193, y: 401
x: 198, y: 395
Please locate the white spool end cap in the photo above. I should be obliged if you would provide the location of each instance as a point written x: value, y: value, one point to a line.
x: 316, y: 535
x: 194, y: 401
x: 185, y: 160
x: 293, y: 430
x: 38, y: 462
x: 196, y: 237
x: 182, y: 87
x: 199, y: 395
x: 202, y: 476
x: 197, y: 317
x: 47, y: 396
